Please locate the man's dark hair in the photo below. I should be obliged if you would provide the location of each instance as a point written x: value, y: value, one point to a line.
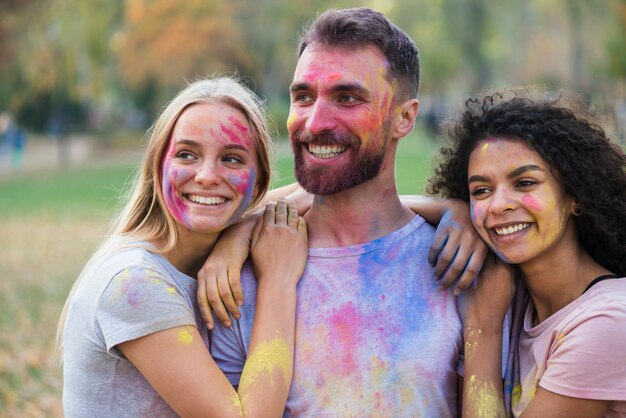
x: 562, y: 131
x: 359, y: 27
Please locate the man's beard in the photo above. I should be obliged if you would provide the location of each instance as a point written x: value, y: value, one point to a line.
x: 324, y: 180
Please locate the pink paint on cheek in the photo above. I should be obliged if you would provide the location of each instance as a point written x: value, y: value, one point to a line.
x: 241, y: 181
x: 172, y: 176
x: 244, y: 184
x: 530, y: 201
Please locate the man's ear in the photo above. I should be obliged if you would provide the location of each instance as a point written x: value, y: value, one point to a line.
x: 404, y: 118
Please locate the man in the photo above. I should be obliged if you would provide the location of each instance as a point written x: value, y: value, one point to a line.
x: 374, y: 335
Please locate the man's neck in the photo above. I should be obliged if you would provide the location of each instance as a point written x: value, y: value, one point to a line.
x: 355, y: 216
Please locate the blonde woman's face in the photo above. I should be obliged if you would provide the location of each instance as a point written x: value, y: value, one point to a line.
x: 209, y: 169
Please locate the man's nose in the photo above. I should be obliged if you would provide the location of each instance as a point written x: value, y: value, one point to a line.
x: 321, y: 117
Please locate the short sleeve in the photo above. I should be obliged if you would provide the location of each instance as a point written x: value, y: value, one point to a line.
x: 227, y: 349
x: 586, y: 360
x: 139, y: 301
x: 229, y: 345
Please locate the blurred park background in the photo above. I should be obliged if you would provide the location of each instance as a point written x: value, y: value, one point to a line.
x: 81, y: 81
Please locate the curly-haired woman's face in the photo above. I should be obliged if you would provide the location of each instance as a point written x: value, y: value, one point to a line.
x: 518, y: 207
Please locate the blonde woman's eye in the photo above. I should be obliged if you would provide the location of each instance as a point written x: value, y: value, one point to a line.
x: 232, y: 159
x: 184, y: 155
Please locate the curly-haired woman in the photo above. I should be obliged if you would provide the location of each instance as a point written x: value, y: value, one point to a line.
x: 547, y: 191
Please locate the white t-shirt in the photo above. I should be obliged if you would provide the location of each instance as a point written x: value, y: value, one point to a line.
x: 128, y: 295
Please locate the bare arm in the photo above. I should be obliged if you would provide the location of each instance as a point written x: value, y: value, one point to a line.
x: 457, y: 252
x: 219, y: 287
x: 482, y: 308
x: 177, y: 363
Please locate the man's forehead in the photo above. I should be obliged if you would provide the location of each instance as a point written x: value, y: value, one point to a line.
x: 364, y: 64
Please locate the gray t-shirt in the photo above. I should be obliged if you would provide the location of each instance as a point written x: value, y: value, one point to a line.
x: 126, y: 296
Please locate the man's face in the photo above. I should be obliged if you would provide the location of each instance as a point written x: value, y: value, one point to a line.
x: 339, y: 119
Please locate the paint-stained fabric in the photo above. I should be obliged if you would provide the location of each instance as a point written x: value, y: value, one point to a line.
x: 374, y: 336
x: 576, y: 352
x: 129, y: 295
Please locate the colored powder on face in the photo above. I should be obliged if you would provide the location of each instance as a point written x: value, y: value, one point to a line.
x: 485, y: 399
x: 240, y: 126
x: 484, y: 147
x: 231, y: 134
x: 291, y: 119
x: 173, y: 202
x: 530, y: 201
x: 477, y: 212
x: 264, y: 361
x: 247, y: 188
x: 185, y: 337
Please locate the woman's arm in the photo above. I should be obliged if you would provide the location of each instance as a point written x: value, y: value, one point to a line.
x: 177, y: 364
x: 552, y: 405
x: 457, y: 252
x: 482, y: 308
x: 219, y: 286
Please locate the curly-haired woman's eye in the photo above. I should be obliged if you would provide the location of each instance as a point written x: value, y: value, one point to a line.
x: 478, y: 191
x: 525, y: 183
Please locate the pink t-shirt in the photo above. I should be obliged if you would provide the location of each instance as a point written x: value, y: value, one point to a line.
x: 576, y: 352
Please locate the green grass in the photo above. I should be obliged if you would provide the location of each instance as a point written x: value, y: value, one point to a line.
x: 75, y: 190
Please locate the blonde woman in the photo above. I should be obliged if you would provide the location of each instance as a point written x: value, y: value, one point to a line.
x: 132, y: 336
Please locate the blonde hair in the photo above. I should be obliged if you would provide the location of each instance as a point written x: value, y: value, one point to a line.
x: 145, y: 217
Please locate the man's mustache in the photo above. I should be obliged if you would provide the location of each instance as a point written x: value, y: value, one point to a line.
x: 325, y: 138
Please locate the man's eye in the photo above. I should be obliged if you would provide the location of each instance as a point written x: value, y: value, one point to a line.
x: 347, y: 99
x: 301, y: 98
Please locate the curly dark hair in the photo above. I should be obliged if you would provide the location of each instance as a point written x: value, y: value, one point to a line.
x: 562, y: 130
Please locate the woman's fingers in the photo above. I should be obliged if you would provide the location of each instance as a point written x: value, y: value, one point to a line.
x: 203, y: 302
x: 293, y: 217
x: 281, y: 212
